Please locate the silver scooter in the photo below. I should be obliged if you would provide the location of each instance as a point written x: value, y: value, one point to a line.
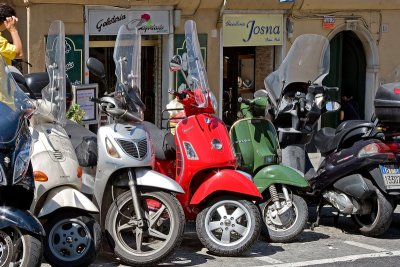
x: 73, y: 236
x: 143, y: 220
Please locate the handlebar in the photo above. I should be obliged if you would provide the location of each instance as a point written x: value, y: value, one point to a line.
x: 96, y: 100
x: 177, y: 94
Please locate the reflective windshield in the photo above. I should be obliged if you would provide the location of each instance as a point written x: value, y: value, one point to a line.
x: 307, y: 60
x: 127, y: 67
x: 14, y: 103
x: 54, y: 94
x: 196, y: 67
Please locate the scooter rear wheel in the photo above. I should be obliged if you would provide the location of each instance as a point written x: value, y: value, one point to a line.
x: 163, y: 232
x: 378, y: 221
x: 229, y: 226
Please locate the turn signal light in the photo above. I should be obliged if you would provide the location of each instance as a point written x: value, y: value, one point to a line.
x: 79, y: 172
x: 376, y: 148
x: 40, y: 176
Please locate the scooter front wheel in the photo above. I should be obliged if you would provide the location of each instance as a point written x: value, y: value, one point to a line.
x: 286, y: 224
x: 73, y: 238
x: 229, y: 227
x: 27, y: 249
x: 162, y: 233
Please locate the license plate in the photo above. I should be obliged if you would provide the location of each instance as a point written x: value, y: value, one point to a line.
x: 391, y: 176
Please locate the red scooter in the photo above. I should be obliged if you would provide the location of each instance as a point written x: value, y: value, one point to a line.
x: 219, y: 197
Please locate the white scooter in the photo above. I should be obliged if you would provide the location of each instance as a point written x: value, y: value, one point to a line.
x: 73, y: 236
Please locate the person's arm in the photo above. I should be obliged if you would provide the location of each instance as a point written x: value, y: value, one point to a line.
x: 11, y: 26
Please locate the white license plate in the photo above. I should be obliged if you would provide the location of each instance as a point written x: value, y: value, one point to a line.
x: 391, y: 176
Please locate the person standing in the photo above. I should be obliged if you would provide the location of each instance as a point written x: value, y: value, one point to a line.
x: 9, y: 21
x: 350, y: 109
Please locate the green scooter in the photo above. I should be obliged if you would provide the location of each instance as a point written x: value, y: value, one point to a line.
x: 256, y: 145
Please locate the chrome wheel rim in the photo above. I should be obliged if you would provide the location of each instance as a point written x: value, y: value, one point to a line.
x: 280, y: 223
x: 228, y: 223
x: 154, y: 236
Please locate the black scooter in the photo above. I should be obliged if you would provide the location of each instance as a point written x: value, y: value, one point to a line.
x: 354, y: 175
x: 20, y: 231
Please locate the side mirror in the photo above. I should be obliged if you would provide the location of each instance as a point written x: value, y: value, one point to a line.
x: 261, y: 93
x: 96, y: 67
x: 176, y: 63
x: 331, y: 106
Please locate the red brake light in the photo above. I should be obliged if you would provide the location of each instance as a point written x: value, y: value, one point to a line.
x: 394, y: 147
x: 396, y: 90
x: 376, y: 148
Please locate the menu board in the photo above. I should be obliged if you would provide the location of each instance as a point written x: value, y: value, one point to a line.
x: 82, y: 96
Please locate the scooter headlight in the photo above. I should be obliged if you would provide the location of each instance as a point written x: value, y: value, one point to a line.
x: 21, y: 164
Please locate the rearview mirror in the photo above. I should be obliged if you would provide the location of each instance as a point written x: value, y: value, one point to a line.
x: 176, y: 63
x: 261, y: 93
x: 96, y: 67
x: 331, y: 106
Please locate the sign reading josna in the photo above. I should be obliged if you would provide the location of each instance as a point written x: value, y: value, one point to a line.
x: 252, y: 29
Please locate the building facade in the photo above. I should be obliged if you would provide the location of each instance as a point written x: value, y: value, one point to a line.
x: 363, y: 35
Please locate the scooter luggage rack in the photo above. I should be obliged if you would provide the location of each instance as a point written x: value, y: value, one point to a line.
x: 169, y: 119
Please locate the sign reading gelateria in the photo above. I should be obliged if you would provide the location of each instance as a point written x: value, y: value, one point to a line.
x: 108, y: 21
x: 252, y: 29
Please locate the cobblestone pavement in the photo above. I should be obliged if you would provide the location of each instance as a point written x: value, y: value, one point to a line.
x: 327, y: 245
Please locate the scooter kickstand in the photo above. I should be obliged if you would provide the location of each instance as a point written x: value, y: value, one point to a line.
x: 319, y: 209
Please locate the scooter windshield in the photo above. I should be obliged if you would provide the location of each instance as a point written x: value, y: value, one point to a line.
x: 14, y: 104
x: 54, y: 94
x: 127, y: 67
x: 307, y: 60
x: 196, y: 67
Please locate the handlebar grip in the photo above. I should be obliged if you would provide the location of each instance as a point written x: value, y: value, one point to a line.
x: 95, y: 100
x: 302, y: 105
x: 333, y: 88
x: 175, y: 93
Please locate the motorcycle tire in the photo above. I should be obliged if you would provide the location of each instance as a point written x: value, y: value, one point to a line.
x: 378, y: 221
x: 290, y: 232
x: 31, y: 252
x: 217, y: 227
x: 73, y: 238
x: 6, y: 249
x: 170, y: 218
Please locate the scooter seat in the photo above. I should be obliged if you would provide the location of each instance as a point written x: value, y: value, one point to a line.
x: 163, y: 142
x: 328, y: 139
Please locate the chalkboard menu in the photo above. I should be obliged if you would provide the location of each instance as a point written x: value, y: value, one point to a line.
x: 74, y: 58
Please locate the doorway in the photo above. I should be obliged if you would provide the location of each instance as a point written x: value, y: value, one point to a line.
x: 238, y: 79
x: 102, y: 48
x: 348, y: 72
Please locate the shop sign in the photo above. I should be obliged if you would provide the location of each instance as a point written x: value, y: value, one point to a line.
x: 329, y: 22
x: 108, y: 21
x: 252, y: 29
x: 74, y: 58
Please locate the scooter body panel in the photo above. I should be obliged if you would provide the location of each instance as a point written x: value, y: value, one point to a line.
x: 256, y: 141
x: 124, y: 138
x: 53, y: 155
x: 224, y: 180
x: 345, y: 162
x: 279, y: 174
x: 66, y: 197
x: 12, y: 217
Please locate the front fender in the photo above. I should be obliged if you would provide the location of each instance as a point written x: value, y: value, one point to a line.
x: 12, y: 217
x: 225, y: 180
x: 146, y: 177
x: 66, y: 197
x: 279, y: 174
